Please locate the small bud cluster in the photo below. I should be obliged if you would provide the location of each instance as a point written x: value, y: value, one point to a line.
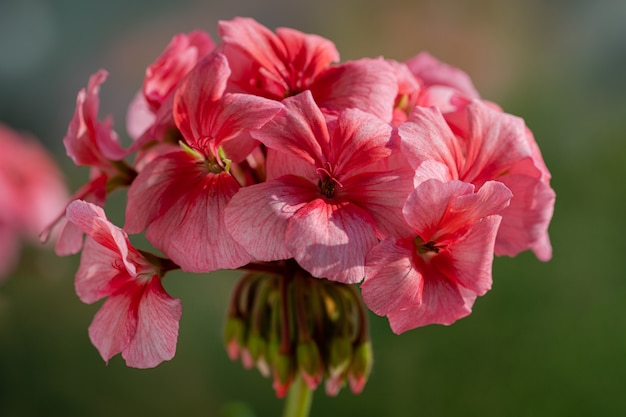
x: 290, y: 323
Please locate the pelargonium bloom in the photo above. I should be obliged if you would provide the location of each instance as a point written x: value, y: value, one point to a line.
x: 479, y: 144
x: 180, y: 196
x: 150, y: 113
x: 337, y: 200
x: 285, y: 63
x: 434, y: 274
x: 90, y: 142
x: 139, y: 319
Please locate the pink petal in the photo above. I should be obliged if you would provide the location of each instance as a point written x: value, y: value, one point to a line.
x: 236, y: 113
x: 391, y: 281
x: 330, y: 240
x: 442, y: 303
x: 91, y: 219
x: 99, y: 273
x: 468, y: 260
x: 158, y: 318
x: 427, y: 205
x: 139, y: 116
x: 358, y: 140
x: 257, y: 216
x: 115, y: 324
x: 197, y: 94
x: 426, y: 136
x: 434, y: 72
x: 525, y: 222
x: 300, y: 130
x: 366, y: 84
x: 88, y: 141
x: 382, y: 195
x: 178, y: 58
x: 495, y: 141
x: 309, y: 54
x: 256, y: 54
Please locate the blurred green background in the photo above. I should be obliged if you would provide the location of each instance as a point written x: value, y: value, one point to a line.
x: 548, y: 340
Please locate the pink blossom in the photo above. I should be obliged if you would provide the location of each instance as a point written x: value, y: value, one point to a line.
x: 31, y: 189
x: 180, y: 196
x: 478, y: 144
x: 150, y: 113
x: 337, y: 202
x: 139, y: 319
x: 90, y: 142
x: 434, y: 274
x: 288, y: 62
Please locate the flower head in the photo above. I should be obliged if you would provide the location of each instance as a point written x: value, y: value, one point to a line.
x: 139, y: 319
x: 434, y: 274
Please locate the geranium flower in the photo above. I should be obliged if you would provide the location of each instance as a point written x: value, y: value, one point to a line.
x: 338, y: 199
x: 434, y: 274
x: 180, y: 196
x: 479, y: 144
x: 285, y: 63
x: 139, y: 319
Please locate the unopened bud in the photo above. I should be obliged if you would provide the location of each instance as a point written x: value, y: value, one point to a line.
x: 234, y: 334
x: 361, y: 367
x: 309, y: 363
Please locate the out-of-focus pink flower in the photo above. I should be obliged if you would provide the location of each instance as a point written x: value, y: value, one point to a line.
x: 32, y: 192
x: 285, y: 63
x: 479, y: 144
x: 180, y: 196
x: 139, y: 319
x: 435, y: 274
x: 150, y: 113
x: 336, y: 202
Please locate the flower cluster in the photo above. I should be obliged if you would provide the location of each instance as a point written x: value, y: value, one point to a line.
x: 30, y: 193
x: 263, y: 150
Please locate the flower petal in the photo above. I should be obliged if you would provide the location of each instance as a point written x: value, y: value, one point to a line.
x: 330, y: 240
x: 391, y: 280
x: 158, y: 318
x: 257, y: 216
x: 369, y: 85
x: 115, y: 324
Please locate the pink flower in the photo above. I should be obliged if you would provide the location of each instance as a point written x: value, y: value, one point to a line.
x: 31, y: 192
x: 289, y: 62
x: 88, y: 141
x: 150, y: 113
x: 479, y: 144
x: 180, y: 196
x: 434, y: 274
x: 139, y: 319
x: 338, y: 199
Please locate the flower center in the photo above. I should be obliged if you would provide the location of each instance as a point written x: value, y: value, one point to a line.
x: 327, y: 182
x: 425, y: 249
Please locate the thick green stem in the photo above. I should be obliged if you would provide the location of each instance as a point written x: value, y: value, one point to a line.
x: 298, y: 401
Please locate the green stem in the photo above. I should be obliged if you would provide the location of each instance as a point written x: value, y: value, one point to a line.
x: 298, y: 401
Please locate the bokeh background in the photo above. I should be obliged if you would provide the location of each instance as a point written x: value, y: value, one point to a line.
x: 548, y: 340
